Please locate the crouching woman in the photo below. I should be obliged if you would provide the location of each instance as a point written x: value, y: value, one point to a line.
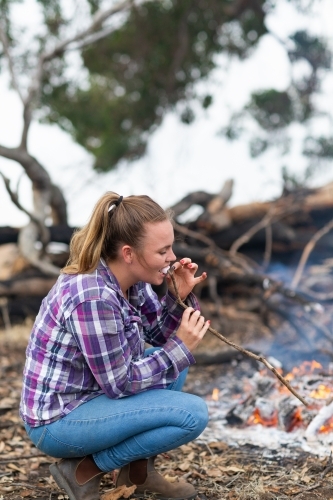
x: 92, y: 394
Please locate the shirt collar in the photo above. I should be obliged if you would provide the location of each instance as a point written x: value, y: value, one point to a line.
x: 136, y: 292
x: 108, y: 276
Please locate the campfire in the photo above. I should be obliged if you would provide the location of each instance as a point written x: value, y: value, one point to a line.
x: 257, y: 409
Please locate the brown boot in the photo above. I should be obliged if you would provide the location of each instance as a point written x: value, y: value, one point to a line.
x: 79, y: 477
x: 148, y: 481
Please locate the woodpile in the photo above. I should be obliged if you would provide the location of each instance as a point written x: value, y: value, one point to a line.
x: 269, y: 265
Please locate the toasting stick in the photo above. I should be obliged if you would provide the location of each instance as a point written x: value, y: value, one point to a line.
x: 241, y: 349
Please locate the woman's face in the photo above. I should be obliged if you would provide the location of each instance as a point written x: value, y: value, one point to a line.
x: 156, y: 253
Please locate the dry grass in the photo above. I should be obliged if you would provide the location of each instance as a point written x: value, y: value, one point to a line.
x: 217, y: 470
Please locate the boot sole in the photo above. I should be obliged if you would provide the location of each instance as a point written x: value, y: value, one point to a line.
x: 61, y: 481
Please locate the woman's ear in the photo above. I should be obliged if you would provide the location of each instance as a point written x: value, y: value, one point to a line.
x: 127, y: 254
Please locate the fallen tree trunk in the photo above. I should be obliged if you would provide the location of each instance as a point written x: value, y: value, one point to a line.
x: 59, y: 234
x: 23, y: 287
x: 240, y: 248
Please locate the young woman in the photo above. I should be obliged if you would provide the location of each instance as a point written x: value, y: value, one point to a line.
x: 92, y: 395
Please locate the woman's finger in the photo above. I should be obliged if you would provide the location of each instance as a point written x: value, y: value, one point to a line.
x: 195, y: 318
x: 185, y: 261
x: 187, y: 313
x: 200, y: 278
x: 193, y: 266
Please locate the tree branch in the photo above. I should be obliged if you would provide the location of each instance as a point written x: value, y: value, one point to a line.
x: 44, y: 234
x: 307, y: 250
x: 5, y: 44
x: 35, y: 85
x: 244, y: 351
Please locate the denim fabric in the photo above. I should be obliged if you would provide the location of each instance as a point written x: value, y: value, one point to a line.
x: 118, y: 431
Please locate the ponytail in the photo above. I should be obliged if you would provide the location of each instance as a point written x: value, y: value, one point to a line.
x: 115, y: 221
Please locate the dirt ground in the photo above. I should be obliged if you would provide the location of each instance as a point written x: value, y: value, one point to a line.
x: 215, y: 469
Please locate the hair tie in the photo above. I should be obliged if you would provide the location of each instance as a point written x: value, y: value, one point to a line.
x: 115, y: 204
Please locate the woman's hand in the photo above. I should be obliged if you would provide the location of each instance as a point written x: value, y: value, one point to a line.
x: 192, y: 328
x: 183, y: 273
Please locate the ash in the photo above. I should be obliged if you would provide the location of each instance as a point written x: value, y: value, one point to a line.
x: 248, y: 406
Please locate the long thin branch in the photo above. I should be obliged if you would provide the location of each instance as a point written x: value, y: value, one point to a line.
x: 14, y: 198
x: 98, y: 20
x: 59, y: 48
x: 268, y: 247
x: 240, y: 260
x: 261, y: 359
x: 5, y: 44
x: 307, y: 250
x: 274, y: 214
x: 263, y: 223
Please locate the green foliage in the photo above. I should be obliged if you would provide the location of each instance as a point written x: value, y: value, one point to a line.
x: 310, y: 48
x: 151, y: 63
x: 320, y: 147
x: 94, y: 5
x: 52, y: 15
x: 258, y: 146
x: 145, y: 67
x: 207, y: 101
x: 272, y: 109
x: 292, y: 182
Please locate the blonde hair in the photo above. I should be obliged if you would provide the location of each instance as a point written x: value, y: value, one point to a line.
x: 108, y: 229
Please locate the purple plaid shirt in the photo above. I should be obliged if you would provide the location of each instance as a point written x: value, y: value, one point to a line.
x: 89, y: 340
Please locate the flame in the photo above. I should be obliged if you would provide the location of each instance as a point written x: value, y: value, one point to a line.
x: 327, y: 427
x: 256, y: 418
x: 215, y: 394
x: 321, y: 392
x: 305, y: 368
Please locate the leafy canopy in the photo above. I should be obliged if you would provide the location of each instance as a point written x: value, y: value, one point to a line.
x: 145, y: 67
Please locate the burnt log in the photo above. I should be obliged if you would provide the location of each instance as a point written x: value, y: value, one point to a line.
x: 59, y: 234
x: 26, y: 287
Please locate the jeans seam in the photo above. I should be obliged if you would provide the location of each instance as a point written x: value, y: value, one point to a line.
x: 121, y: 414
x: 41, y: 439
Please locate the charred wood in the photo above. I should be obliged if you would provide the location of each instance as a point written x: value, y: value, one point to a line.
x: 59, y: 234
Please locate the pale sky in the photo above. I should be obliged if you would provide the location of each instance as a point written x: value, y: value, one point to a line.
x: 180, y: 158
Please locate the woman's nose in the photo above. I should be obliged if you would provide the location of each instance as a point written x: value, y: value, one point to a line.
x: 172, y: 256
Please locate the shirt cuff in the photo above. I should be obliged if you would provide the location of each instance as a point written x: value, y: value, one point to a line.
x: 175, y: 308
x: 178, y: 353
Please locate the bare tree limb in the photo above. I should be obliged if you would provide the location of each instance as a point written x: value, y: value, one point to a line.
x: 268, y: 247
x: 99, y: 18
x: 265, y: 221
x: 307, y: 250
x: 28, y: 236
x: 35, y: 86
x: 93, y: 38
x: 240, y: 260
x: 14, y: 198
x: 5, y: 44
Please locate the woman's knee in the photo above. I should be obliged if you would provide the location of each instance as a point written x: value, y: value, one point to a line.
x: 199, y: 411
x: 203, y: 413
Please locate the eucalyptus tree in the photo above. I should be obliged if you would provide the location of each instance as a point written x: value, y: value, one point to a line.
x: 139, y: 59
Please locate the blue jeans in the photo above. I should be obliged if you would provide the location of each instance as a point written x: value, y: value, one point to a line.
x: 119, y: 431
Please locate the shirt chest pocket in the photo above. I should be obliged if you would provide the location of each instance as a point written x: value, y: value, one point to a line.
x: 134, y: 336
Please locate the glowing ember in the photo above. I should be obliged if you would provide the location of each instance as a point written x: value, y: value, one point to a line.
x: 296, y: 420
x: 327, y: 427
x: 321, y: 392
x: 256, y: 418
x: 215, y: 394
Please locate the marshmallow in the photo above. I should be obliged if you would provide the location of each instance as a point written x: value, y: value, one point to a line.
x: 165, y: 269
